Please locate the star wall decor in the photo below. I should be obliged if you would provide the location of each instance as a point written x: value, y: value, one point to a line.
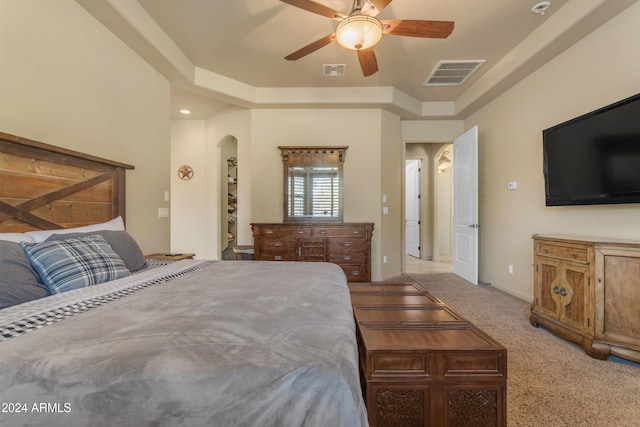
x: 185, y: 172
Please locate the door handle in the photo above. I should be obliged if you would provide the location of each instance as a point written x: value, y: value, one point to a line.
x: 473, y: 226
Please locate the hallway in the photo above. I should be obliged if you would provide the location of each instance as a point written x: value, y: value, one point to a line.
x: 421, y: 266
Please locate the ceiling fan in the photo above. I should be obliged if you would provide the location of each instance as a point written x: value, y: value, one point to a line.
x: 360, y: 30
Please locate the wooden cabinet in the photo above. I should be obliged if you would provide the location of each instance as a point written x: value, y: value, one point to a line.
x: 588, y: 291
x: 345, y: 244
x: 422, y: 364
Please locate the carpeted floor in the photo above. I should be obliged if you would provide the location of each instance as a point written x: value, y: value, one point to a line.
x: 551, y: 382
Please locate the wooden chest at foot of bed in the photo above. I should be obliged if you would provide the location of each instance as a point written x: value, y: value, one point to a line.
x: 424, y: 365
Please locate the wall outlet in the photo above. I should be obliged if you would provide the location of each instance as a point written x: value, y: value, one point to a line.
x: 163, y: 212
x: 511, y: 268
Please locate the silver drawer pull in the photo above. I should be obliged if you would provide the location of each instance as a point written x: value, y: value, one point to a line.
x: 323, y: 231
x: 277, y: 258
x: 347, y: 244
x: 268, y: 231
x: 347, y: 257
x: 355, y: 273
x: 300, y: 231
x: 355, y: 231
x: 277, y: 244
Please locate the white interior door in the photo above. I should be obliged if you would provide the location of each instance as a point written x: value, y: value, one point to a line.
x: 412, y: 207
x: 465, y: 206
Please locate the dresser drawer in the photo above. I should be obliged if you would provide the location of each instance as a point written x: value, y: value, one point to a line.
x: 288, y: 231
x: 347, y: 257
x: 355, y: 273
x: 570, y: 253
x: 340, y: 231
x: 275, y: 244
x: 346, y: 244
x: 277, y: 256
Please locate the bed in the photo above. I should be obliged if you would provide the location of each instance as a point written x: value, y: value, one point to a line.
x: 191, y: 342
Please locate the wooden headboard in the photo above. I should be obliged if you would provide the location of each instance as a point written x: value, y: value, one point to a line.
x: 43, y: 187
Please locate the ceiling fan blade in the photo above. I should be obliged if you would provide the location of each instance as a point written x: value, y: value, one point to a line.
x: 368, y: 61
x: 418, y: 28
x: 317, y: 8
x: 380, y: 4
x: 311, y: 47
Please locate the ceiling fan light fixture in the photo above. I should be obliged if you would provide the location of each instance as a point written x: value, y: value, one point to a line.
x: 359, y: 32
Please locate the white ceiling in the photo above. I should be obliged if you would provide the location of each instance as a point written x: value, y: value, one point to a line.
x: 219, y: 52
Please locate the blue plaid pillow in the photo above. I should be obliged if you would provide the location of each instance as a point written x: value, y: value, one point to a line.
x: 64, y: 265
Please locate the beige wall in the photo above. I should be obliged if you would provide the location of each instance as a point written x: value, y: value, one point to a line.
x: 392, y: 179
x: 598, y: 70
x: 259, y: 133
x: 67, y: 81
x: 361, y: 130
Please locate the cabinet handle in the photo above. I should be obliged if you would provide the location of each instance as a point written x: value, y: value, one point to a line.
x: 300, y: 231
x: 277, y: 258
x: 545, y: 250
x: 347, y: 257
x: 322, y: 231
x: 556, y: 289
x: 563, y: 292
x: 355, y: 231
x: 355, y: 273
x: 277, y: 244
x: 268, y: 231
x: 575, y: 255
x: 347, y: 244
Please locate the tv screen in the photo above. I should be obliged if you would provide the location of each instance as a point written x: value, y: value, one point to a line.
x: 594, y: 158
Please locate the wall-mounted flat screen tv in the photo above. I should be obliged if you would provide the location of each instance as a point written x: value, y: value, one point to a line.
x: 595, y: 158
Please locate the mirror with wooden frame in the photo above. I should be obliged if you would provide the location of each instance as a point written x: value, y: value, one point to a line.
x: 313, y: 183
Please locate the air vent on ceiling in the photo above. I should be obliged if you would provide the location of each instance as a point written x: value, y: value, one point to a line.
x: 333, y: 70
x: 452, y: 73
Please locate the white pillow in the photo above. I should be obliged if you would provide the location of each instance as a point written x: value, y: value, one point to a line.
x: 42, y: 235
x: 16, y: 237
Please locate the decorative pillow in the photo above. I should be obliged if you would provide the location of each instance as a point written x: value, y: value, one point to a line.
x: 41, y: 235
x: 19, y: 282
x: 119, y: 240
x: 65, y: 265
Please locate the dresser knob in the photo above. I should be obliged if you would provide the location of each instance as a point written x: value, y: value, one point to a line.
x: 347, y: 257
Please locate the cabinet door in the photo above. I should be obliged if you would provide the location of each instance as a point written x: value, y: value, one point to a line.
x: 574, y: 290
x: 562, y: 292
x: 547, y: 276
x: 618, y: 296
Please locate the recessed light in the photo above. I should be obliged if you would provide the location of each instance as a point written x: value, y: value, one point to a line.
x: 541, y: 7
x: 183, y: 111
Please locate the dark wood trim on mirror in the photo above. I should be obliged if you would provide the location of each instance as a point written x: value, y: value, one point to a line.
x: 312, y: 157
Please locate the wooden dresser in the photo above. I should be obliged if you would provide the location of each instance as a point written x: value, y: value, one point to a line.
x: 587, y: 290
x: 422, y: 364
x: 345, y: 244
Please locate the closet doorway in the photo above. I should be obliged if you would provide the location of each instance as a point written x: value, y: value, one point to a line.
x: 229, y: 197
